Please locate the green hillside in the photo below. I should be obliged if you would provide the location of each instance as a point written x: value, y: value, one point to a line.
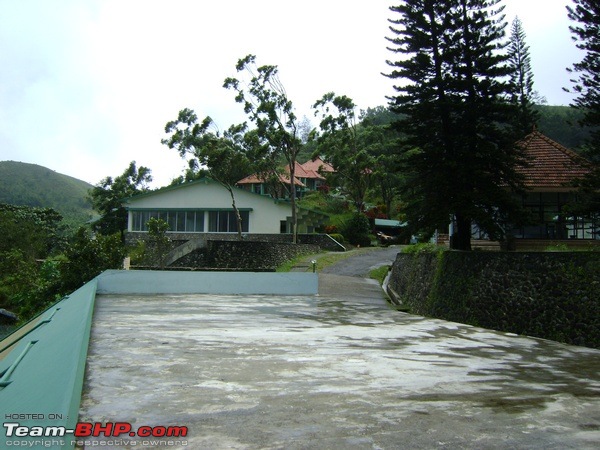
x: 33, y: 185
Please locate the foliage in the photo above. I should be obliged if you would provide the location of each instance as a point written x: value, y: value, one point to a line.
x: 88, y: 256
x: 225, y: 157
x: 278, y: 131
x: 38, y: 265
x: 356, y: 230
x: 379, y: 274
x: 458, y: 146
x: 586, y: 33
x: 341, y: 144
x: 158, y: 240
x: 560, y: 123
x: 338, y: 237
x: 36, y: 232
x: 108, y: 195
x: 424, y: 247
x: 36, y: 186
x: 521, y: 79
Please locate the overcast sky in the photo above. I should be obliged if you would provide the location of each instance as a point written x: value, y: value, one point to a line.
x: 86, y: 86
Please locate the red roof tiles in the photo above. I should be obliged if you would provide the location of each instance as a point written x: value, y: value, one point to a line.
x: 255, y: 179
x: 317, y: 165
x: 549, y: 164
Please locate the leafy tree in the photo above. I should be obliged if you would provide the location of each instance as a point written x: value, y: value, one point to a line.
x: 521, y: 79
x: 586, y: 34
x: 356, y: 230
x: 160, y: 242
x: 108, y: 194
x: 266, y: 103
x: 343, y: 146
x: 27, y: 236
x: 88, y: 256
x: 36, y: 232
x: 457, y: 146
x: 224, y: 156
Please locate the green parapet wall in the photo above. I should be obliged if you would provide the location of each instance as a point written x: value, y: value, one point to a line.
x: 42, y: 369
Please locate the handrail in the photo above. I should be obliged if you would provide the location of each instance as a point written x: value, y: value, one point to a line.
x: 5, y: 380
x: 37, y: 325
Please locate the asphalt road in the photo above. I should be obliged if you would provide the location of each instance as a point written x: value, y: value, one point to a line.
x: 364, y: 261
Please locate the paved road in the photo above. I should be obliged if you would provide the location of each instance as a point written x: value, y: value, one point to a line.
x: 363, y: 262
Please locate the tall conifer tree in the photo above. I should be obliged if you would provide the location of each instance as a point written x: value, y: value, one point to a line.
x: 458, y: 151
x: 586, y: 34
x: 521, y: 79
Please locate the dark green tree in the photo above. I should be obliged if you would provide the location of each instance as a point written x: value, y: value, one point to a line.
x: 88, y: 256
x: 278, y: 130
x: 341, y: 144
x: 586, y: 34
x: 107, y: 197
x: 223, y: 155
x: 458, y: 147
x: 158, y: 240
x: 28, y: 238
x: 521, y: 79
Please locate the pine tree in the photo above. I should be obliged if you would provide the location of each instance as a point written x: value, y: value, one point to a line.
x: 458, y: 151
x: 586, y: 34
x: 521, y: 79
x: 587, y: 37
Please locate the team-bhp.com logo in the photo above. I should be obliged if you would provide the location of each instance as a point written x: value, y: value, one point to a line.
x: 87, y: 430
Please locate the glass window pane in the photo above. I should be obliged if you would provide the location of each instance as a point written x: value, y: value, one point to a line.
x: 222, y: 225
x: 199, y: 221
x: 180, y: 217
x: 172, y: 221
x: 245, y: 221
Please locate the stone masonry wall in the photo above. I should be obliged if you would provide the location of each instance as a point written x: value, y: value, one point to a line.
x: 549, y: 295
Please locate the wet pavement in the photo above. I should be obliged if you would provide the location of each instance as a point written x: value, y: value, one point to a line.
x: 341, y: 370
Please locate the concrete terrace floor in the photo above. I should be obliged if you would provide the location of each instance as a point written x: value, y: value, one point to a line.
x: 341, y: 370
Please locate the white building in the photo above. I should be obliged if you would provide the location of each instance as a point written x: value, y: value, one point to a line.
x: 205, y: 206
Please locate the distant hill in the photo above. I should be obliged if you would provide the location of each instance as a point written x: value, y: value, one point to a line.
x: 560, y: 123
x: 33, y: 185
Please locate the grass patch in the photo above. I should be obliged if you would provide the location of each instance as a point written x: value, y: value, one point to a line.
x: 324, y: 259
x: 379, y: 274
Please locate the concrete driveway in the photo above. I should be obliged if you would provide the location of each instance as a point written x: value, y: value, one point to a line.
x: 337, y: 371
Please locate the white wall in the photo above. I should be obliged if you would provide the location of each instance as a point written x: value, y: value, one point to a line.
x: 265, y: 216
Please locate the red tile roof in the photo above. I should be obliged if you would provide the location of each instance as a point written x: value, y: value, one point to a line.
x: 255, y: 179
x: 549, y: 164
x: 317, y: 165
x: 302, y: 172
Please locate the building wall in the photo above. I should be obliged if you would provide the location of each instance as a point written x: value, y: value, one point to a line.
x: 265, y: 215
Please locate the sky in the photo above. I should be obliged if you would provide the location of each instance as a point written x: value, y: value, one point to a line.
x: 86, y: 86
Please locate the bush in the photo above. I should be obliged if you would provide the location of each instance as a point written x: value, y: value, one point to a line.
x: 338, y: 237
x: 418, y: 249
x: 356, y: 230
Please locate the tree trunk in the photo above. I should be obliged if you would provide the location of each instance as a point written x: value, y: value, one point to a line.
x: 461, y: 238
x: 292, y: 163
x: 238, y: 218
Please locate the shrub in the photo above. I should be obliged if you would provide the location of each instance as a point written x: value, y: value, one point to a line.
x: 356, y: 230
x: 338, y: 237
x: 426, y: 247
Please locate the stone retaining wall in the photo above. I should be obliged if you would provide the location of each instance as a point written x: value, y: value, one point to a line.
x: 243, y: 255
x: 549, y: 295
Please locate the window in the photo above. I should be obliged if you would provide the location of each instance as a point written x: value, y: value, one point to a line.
x: 225, y: 221
x: 179, y: 221
x: 550, y: 221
